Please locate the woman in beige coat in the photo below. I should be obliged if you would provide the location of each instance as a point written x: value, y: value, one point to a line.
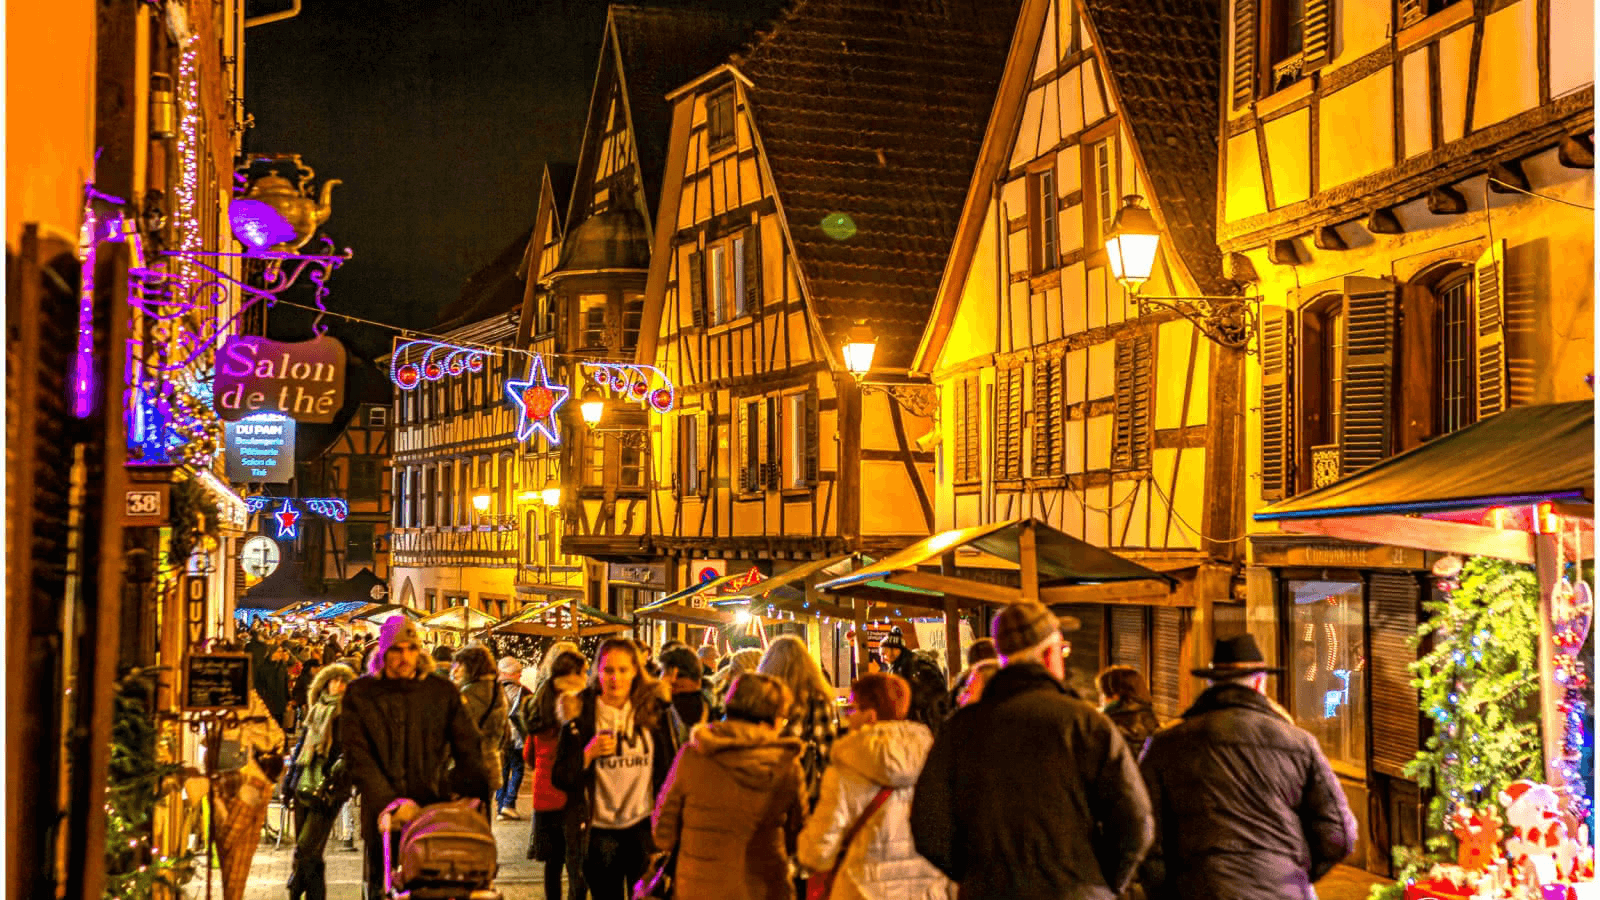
x: 882, y: 750
x: 732, y: 804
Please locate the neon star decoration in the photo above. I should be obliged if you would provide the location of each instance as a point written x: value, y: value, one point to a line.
x: 288, y: 518
x: 646, y: 385
x: 537, y: 401
x: 417, y: 361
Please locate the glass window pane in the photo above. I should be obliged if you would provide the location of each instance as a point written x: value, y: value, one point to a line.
x: 1327, y: 668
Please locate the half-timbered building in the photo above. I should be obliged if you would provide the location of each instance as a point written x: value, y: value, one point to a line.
x: 1059, y: 398
x: 812, y: 184
x: 589, y: 301
x: 1409, y: 186
x: 355, y: 469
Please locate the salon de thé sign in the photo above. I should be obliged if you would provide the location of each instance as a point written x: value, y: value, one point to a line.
x: 304, y: 381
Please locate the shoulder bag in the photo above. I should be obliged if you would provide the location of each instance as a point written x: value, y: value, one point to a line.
x: 820, y: 884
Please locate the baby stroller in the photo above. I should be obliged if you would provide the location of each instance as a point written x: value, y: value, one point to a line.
x: 446, y: 853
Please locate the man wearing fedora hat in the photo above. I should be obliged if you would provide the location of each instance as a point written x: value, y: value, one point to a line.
x: 1246, y: 804
x: 1030, y: 793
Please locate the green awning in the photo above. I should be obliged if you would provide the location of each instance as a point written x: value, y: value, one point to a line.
x: 1524, y: 455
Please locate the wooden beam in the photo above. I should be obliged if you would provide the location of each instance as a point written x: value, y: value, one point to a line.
x: 961, y: 587
x: 1328, y: 238
x: 1576, y: 152
x: 1422, y: 534
x: 1547, y: 563
x: 1283, y: 252
x: 1146, y: 592
x: 1510, y: 176
x: 952, y: 618
x: 1445, y: 200
x: 1237, y: 267
x: 861, y: 636
x: 1028, y: 558
x: 1382, y: 221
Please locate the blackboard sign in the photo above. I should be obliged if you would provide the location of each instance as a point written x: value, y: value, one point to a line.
x: 217, y: 681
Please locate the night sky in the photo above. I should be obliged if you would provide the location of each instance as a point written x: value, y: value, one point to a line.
x: 438, y: 116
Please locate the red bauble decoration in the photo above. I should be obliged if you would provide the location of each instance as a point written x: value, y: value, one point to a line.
x: 639, y: 388
x: 475, y: 363
x: 407, y: 375
x: 538, y: 401
x: 456, y: 367
x: 432, y: 372
x: 661, y: 399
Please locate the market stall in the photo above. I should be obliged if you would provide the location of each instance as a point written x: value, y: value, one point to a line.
x: 455, y: 623
x: 561, y: 619
x: 1511, y: 491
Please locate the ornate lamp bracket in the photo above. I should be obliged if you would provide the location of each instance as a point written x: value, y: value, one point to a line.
x: 1227, y: 321
x: 918, y: 399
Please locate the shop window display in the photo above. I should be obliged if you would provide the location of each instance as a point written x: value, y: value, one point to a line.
x: 1327, y: 671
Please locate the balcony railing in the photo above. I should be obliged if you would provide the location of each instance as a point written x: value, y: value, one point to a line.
x: 1325, y: 468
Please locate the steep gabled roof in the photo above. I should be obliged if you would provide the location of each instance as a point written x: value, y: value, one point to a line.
x: 1164, y: 62
x: 659, y: 47
x: 561, y: 175
x: 493, y: 289
x: 875, y: 109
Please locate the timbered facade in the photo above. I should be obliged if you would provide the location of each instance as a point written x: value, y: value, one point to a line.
x: 778, y: 231
x: 593, y: 295
x: 1059, y: 399
x: 355, y: 468
x: 1408, y: 187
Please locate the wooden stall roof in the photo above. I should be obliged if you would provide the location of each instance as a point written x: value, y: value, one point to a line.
x: 555, y: 619
x: 458, y: 618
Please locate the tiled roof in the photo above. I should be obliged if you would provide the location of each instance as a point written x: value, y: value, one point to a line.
x: 490, y: 291
x: 1164, y: 59
x: 876, y: 109
x: 663, y: 45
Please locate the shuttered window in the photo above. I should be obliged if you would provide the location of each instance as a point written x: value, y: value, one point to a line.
x: 1049, y: 383
x: 697, y: 288
x: 705, y: 439
x: 1134, y: 365
x: 1491, y: 336
x: 967, y: 413
x: 688, y: 481
x: 752, y: 270
x: 1244, y: 53
x: 1008, y: 425
x: 813, y: 443
x: 1169, y: 628
x: 752, y: 437
x: 771, y: 468
x: 1392, y: 618
x: 1276, y: 427
x: 1368, y: 390
x: 1128, y: 637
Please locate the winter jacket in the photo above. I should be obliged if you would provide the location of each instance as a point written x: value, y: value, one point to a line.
x: 486, y: 707
x: 570, y: 776
x: 930, y: 692
x: 1031, y: 793
x: 1247, y: 807
x: 815, y: 721
x: 517, y: 698
x: 882, y: 862
x: 732, y: 807
x: 544, y: 734
x: 400, y: 737
x: 1137, y: 721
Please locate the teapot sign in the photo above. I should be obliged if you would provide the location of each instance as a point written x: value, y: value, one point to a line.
x: 304, y: 381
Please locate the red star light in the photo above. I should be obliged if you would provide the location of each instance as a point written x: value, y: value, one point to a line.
x: 537, y: 401
x: 287, y: 516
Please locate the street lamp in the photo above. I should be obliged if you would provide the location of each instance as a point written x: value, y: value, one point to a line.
x: 859, y: 348
x: 1131, y: 247
x: 480, y: 501
x: 551, y: 493
x: 592, y: 407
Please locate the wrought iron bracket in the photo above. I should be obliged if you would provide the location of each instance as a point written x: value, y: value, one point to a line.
x: 918, y: 399
x: 628, y: 438
x: 1226, y: 321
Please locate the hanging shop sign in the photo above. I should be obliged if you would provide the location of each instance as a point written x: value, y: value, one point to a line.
x: 537, y: 401
x: 304, y: 381
x: 259, y: 448
x: 216, y: 681
x: 646, y: 575
x: 195, y: 590
x: 647, y: 386
x: 414, y: 362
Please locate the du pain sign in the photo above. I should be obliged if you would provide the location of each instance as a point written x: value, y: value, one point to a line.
x: 304, y: 381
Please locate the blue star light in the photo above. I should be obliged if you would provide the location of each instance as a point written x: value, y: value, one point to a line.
x: 287, y: 516
x: 537, y: 400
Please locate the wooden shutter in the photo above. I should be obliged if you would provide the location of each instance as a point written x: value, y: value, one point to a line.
x: 1047, y: 402
x: 752, y: 270
x: 770, y: 459
x: 680, y: 459
x: 1131, y: 449
x: 1008, y: 425
x: 1412, y: 12
x: 1317, y: 38
x: 1490, y: 343
x: 742, y: 417
x: 1367, y: 404
x: 704, y: 437
x: 697, y: 288
x: 970, y: 416
x: 1392, y: 603
x: 1170, y: 625
x: 1277, y: 429
x: 813, y: 442
x: 1244, y: 52
x: 1127, y: 637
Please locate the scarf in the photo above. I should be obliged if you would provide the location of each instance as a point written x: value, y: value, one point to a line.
x: 319, y: 730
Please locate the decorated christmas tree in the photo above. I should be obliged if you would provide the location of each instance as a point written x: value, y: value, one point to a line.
x: 137, y: 781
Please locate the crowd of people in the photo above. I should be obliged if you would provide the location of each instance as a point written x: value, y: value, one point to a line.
x: 742, y: 777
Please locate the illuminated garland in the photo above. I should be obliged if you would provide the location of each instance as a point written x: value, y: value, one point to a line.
x: 1572, y: 612
x: 438, y: 360
x: 646, y: 385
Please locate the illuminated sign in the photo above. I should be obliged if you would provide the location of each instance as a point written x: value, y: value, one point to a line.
x: 304, y: 381
x: 259, y: 448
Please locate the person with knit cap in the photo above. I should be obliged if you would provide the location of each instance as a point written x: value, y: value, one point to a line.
x: 320, y: 784
x: 1073, y: 821
x: 408, y: 741
x: 882, y: 754
x: 733, y: 803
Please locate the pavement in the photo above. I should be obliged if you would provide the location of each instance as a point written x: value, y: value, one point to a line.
x: 522, y: 879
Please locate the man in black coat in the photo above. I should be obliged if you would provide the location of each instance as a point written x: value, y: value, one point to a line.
x: 1030, y: 793
x: 1247, y: 806
x: 401, y: 730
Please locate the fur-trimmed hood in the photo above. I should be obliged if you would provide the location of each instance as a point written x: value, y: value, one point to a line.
x: 325, y: 675
x: 757, y: 756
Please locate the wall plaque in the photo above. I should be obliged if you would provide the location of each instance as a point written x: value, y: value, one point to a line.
x: 217, y: 681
